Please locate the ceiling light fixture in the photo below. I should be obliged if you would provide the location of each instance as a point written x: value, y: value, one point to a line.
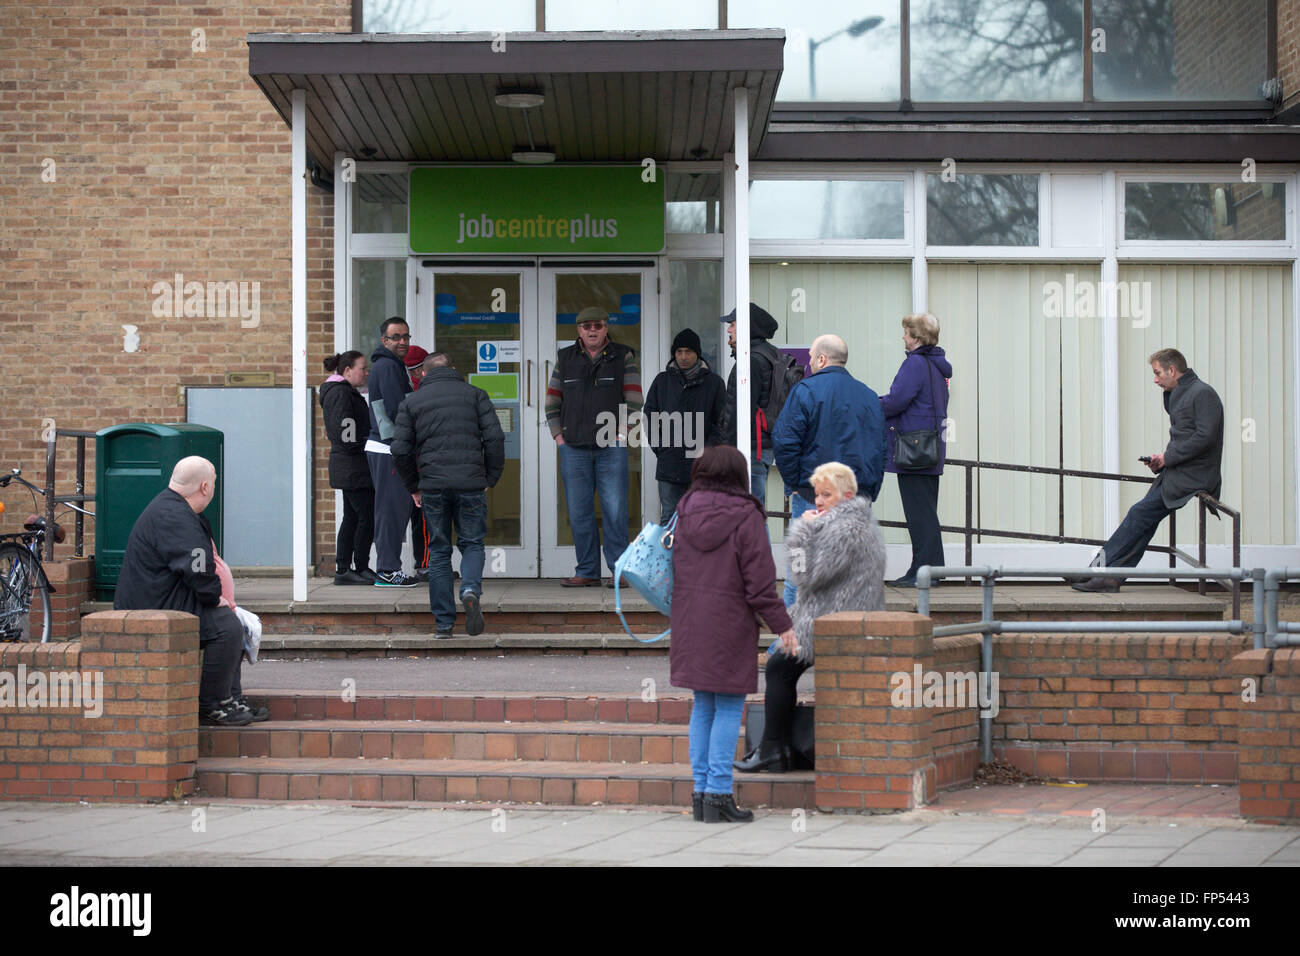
x: 520, y: 99
x: 533, y: 157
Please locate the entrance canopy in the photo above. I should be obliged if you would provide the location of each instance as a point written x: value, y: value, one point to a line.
x: 606, y: 96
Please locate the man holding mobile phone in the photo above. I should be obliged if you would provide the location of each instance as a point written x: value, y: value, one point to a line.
x: 1190, y: 463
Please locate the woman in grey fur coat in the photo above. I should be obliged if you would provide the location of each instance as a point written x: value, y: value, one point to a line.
x: 837, y: 561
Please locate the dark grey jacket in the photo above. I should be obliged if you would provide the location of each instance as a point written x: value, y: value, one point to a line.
x: 1194, y: 455
x: 447, y: 436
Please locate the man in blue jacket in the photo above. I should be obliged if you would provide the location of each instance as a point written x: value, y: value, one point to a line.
x: 829, y: 416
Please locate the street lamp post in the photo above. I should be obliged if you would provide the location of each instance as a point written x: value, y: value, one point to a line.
x: 855, y: 29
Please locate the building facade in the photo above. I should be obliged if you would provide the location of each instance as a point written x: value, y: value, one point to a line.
x: 1067, y: 185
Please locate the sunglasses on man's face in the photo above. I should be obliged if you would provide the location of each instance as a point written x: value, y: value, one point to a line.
x: 591, y: 326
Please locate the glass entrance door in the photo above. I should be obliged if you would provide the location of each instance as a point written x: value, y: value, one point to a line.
x: 484, y: 319
x: 629, y: 294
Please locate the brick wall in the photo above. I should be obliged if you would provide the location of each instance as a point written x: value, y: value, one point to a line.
x: 139, y: 742
x: 166, y: 161
x: 1288, y: 51
x: 73, y: 582
x: 1268, y: 728
x: 1134, y: 708
x: 1216, y: 48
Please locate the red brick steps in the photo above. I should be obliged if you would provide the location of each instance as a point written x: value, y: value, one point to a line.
x: 558, y: 749
x: 520, y: 781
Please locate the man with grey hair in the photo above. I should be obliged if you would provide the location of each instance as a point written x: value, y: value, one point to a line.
x: 829, y: 416
x: 171, y: 564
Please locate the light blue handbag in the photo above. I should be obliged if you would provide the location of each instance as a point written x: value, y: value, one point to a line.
x: 647, y: 564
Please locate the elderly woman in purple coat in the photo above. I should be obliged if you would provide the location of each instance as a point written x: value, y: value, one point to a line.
x: 723, y: 576
x: 918, y: 399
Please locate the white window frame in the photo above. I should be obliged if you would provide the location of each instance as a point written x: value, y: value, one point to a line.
x: 835, y: 248
x: 1227, y: 250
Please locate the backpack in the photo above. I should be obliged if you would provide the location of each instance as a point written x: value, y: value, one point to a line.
x: 786, y: 374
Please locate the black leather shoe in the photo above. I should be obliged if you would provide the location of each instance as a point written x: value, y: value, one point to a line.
x: 774, y: 758
x: 905, y: 581
x: 1098, y: 585
x: 697, y: 806
x: 721, y: 808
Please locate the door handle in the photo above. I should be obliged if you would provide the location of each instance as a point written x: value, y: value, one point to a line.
x: 546, y: 382
x: 528, y: 382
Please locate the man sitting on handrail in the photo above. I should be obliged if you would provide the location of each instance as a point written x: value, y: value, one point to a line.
x: 1190, y: 463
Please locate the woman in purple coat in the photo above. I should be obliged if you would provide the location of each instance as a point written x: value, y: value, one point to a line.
x: 917, y: 400
x: 723, y: 575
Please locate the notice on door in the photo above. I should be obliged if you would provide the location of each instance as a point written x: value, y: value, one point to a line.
x: 500, y: 351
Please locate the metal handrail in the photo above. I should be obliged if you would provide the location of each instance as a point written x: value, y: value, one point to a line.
x: 1205, y: 501
x: 51, y: 499
x: 1278, y: 633
x: 987, y: 625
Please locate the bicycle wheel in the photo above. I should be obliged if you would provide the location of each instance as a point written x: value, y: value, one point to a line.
x: 24, y: 596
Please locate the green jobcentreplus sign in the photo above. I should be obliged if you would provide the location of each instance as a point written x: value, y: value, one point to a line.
x: 535, y: 209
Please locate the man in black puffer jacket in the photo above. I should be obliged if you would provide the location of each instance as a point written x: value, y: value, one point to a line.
x: 448, y: 448
x: 761, y: 328
x: 683, y: 414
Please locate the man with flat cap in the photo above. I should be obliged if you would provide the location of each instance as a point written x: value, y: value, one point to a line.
x: 593, y: 377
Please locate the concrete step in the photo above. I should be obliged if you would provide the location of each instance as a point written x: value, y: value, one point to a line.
x: 281, y: 646
x: 517, y: 781
x: 517, y: 707
x: 583, y: 742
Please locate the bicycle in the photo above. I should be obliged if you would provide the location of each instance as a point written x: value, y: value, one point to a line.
x: 23, y: 583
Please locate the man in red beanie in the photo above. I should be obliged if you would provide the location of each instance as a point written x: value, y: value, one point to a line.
x: 420, y: 541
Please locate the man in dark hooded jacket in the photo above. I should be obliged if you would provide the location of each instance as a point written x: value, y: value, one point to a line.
x: 683, y: 415
x: 389, y: 384
x: 761, y: 328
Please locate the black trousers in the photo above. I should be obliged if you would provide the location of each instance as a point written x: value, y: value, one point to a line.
x: 221, y: 638
x: 393, y: 506
x: 356, y: 531
x: 782, y: 679
x: 920, y: 494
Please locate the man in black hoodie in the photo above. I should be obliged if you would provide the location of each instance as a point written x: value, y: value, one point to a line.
x: 761, y: 328
x: 389, y: 384
x: 683, y: 413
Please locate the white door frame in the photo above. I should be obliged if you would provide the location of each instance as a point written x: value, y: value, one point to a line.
x: 557, y: 560
x: 519, y: 561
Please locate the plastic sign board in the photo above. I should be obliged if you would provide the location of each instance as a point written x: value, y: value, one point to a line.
x: 502, y: 387
x: 535, y: 209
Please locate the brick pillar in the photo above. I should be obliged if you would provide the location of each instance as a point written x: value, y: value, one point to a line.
x: 1268, y: 734
x: 73, y: 581
x: 146, y: 742
x: 871, y: 756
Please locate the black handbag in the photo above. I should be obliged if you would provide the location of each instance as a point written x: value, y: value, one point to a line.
x: 803, y: 743
x: 919, y: 450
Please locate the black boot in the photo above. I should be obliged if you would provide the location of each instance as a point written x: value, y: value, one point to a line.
x: 721, y: 808
x: 772, y: 757
x: 697, y: 806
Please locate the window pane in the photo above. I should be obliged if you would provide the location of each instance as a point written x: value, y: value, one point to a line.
x: 694, y: 203
x: 631, y: 15
x: 1182, y: 50
x: 835, y: 50
x: 379, y: 203
x: 979, y: 210
x: 826, y: 209
x: 695, y: 302
x: 1205, y: 211
x: 997, y: 50
x: 447, y: 16
x: 378, y: 291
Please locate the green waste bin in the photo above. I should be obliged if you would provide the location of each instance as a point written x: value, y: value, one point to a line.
x: 133, y: 462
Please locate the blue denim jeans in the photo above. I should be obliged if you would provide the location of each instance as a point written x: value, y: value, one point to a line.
x: 467, y: 511
x: 798, y: 505
x: 715, y: 728
x: 669, y: 494
x: 758, y: 475
x: 588, y: 472
x: 1125, y: 547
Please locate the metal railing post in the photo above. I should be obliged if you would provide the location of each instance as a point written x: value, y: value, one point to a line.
x: 79, y: 525
x: 49, y: 497
x: 986, y: 660
x: 1258, y: 617
x: 1271, y: 582
x: 1236, y: 563
x: 970, y: 489
x: 923, y: 590
x: 1200, y: 533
